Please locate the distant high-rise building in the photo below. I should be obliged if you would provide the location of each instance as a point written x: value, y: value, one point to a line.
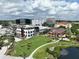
x: 38, y: 22
x: 17, y: 21
x: 24, y: 21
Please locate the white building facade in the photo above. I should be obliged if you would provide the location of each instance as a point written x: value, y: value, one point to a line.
x: 28, y: 32
x: 38, y: 22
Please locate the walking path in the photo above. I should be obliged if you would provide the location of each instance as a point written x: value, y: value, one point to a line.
x: 3, y: 56
x: 9, y: 57
x: 17, y: 39
x: 31, y: 56
x: 4, y: 49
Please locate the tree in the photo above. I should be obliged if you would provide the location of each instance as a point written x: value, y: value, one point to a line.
x: 12, y: 41
x: 1, y: 41
x: 5, y: 23
x: 22, y: 32
x: 49, y: 24
x: 24, y: 55
x: 62, y: 27
x: 55, y: 53
x: 77, y: 37
x: 14, y: 30
x: 74, y: 29
x: 44, y: 24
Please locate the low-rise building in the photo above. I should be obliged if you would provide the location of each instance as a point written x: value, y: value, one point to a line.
x: 6, y: 31
x: 0, y: 26
x: 26, y: 31
x: 57, y: 32
x: 64, y: 24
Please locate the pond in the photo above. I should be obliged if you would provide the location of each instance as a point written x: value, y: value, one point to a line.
x: 69, y: 53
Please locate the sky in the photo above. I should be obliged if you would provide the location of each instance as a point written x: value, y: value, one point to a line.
x: 38, y: 9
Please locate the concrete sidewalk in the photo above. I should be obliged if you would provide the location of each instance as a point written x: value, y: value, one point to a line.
x: 9, y: 57
x: 3, y: 50
x: 17, y: 39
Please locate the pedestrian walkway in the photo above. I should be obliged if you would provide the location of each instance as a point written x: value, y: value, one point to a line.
x: 4, y: 49
x: 31, y: 55
x: 17, y: 39
x: 9, y: 57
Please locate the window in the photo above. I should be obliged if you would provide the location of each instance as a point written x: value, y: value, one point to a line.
x: 18, y: 31
x: 28, y: 35
x: 28, y: 32
x: 31, y: 34
x: 31, y: 31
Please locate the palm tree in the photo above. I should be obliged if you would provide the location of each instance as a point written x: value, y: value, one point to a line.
x: 14, y: 30
x: 22, y: 32
x: 24, y: 55
x: 68, y: 31
x: 12, y: 41
x: 1, y: 41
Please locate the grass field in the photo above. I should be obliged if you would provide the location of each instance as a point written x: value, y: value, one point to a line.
x: 42, y: 53
x: 26, y: 47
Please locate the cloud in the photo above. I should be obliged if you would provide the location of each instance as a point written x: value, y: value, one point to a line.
x: 22, y: 8
x: 74, y: 6
x: 0, y: 3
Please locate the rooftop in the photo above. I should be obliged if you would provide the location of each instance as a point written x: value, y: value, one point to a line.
x: 57, y: 31
x: 63, y: 23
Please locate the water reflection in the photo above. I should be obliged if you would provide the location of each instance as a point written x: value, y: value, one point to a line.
x: 69, y: 53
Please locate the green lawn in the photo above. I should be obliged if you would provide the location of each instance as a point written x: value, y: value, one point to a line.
x: 26, y: 47
x: 42, y: 53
